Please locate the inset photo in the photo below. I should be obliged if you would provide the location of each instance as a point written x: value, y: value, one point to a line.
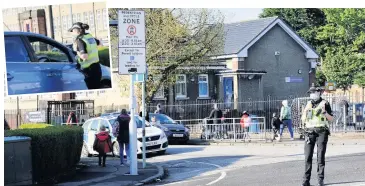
x: 57, y: 48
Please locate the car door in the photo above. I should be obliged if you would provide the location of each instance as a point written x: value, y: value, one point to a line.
x: 58, y: 70
x: 86, y: 127
x: 23, y: 76
x: 94, y: 128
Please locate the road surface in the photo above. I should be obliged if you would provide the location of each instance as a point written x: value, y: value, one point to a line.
x: 257, y: 165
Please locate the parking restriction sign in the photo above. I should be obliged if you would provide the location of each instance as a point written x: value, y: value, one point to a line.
x: 132, y: 44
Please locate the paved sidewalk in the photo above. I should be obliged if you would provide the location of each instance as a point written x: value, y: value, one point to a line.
x: 113, y: 174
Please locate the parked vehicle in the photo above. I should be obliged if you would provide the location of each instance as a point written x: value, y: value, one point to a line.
x: 156, y: 140
x: 174, y: 131
x: 33, y: 65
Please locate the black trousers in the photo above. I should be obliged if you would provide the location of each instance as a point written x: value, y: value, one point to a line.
x: 93, y: 76
x: 319, y: 137
x: 104, y: 158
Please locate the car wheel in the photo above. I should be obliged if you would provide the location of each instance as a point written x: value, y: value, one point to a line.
x: 116, y: 149
x: 85, y: 151
x: 162, y: 152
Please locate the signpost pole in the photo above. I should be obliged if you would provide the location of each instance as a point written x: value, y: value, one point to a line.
x: 144, y: 120
x: 132, y: 60
x: 132, y: 132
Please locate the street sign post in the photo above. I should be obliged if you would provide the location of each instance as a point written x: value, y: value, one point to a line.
x: 132, y: 61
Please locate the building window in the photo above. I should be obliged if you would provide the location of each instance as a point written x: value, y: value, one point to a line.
x: 203, y: 85
x: 160, y: 92
x: 106, y: 19
x: 69, y: 22
x: 79, y: 17
x: 98, y: 20
x: 55, y: 26
x: 181, y: 86
x: 86, y: 18
x: 64, y: 22
x: 91, y: 22
x: 74, y: 18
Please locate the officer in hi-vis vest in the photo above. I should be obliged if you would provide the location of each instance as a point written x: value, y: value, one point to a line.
x: 316, y: 116
x: 87, y: 54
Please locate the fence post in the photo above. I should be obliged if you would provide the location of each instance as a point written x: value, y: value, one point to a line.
x: 234, y: 129
x: 344, y: 119
x: 265, y: 129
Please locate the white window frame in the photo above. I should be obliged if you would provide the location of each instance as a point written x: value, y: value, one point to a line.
x: 178, y: 95
x: 86, y: 17
x: 74, y: 18
x: 64, y: 22
x: 79, y: 17
x: 98, y: 20
x: 91, y: 19
x: 206, y: 82
x: 105, y: 19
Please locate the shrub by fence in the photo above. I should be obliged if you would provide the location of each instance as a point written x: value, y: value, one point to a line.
x: 55, y: 150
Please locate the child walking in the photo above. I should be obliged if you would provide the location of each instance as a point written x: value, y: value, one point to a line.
x: 102, y: 145
x: 275, y: 124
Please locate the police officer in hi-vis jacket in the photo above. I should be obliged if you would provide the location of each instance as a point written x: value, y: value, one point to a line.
x: 316, y: 117
x: 86, y: 47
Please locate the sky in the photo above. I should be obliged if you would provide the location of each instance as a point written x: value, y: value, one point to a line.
x: 240, y: 14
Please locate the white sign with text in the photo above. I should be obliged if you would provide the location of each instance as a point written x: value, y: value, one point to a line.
x: 132, y: 42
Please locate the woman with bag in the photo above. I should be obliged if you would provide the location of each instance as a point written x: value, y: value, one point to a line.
x: 102, y: 144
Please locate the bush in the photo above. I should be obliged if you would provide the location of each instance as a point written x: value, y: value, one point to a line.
x: 34, y: 125
x: 104, y: 57
x: 55, y: 150
x: 58, y: 56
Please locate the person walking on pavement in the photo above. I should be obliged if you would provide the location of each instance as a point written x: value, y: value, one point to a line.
x: 122, y: 133
x: 216, y: 116
x: 71, y: 118
x: 316, y: 117
x: 245, y: 124
x: 275, y: 124
x: 285, y: 117
x: 85, y: 45
x: 158, y: 109
x: 102, y: 145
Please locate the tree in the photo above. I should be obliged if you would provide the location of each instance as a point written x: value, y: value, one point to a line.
x: 342, y: 66
x: 345, y: 29
x: 177, y: 38
x: 304, y: 21
x: 360, y: 79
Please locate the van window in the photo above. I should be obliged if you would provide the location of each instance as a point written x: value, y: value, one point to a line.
x: 95, y: 125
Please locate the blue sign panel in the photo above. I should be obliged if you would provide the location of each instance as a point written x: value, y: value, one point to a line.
x: 293, y: 79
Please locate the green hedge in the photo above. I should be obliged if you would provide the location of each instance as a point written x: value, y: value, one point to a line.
x: 34, y: 125
x: 104, y: 57
x: 55, y: 150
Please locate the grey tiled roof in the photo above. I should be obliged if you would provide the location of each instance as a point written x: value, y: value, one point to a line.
x: 238, y: 35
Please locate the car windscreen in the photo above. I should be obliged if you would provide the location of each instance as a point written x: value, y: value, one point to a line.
x: 163, y: 119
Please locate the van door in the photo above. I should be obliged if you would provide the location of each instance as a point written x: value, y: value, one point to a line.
x: 94, y: 127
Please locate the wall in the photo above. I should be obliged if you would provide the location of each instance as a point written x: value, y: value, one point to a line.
x: 291, y: 59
